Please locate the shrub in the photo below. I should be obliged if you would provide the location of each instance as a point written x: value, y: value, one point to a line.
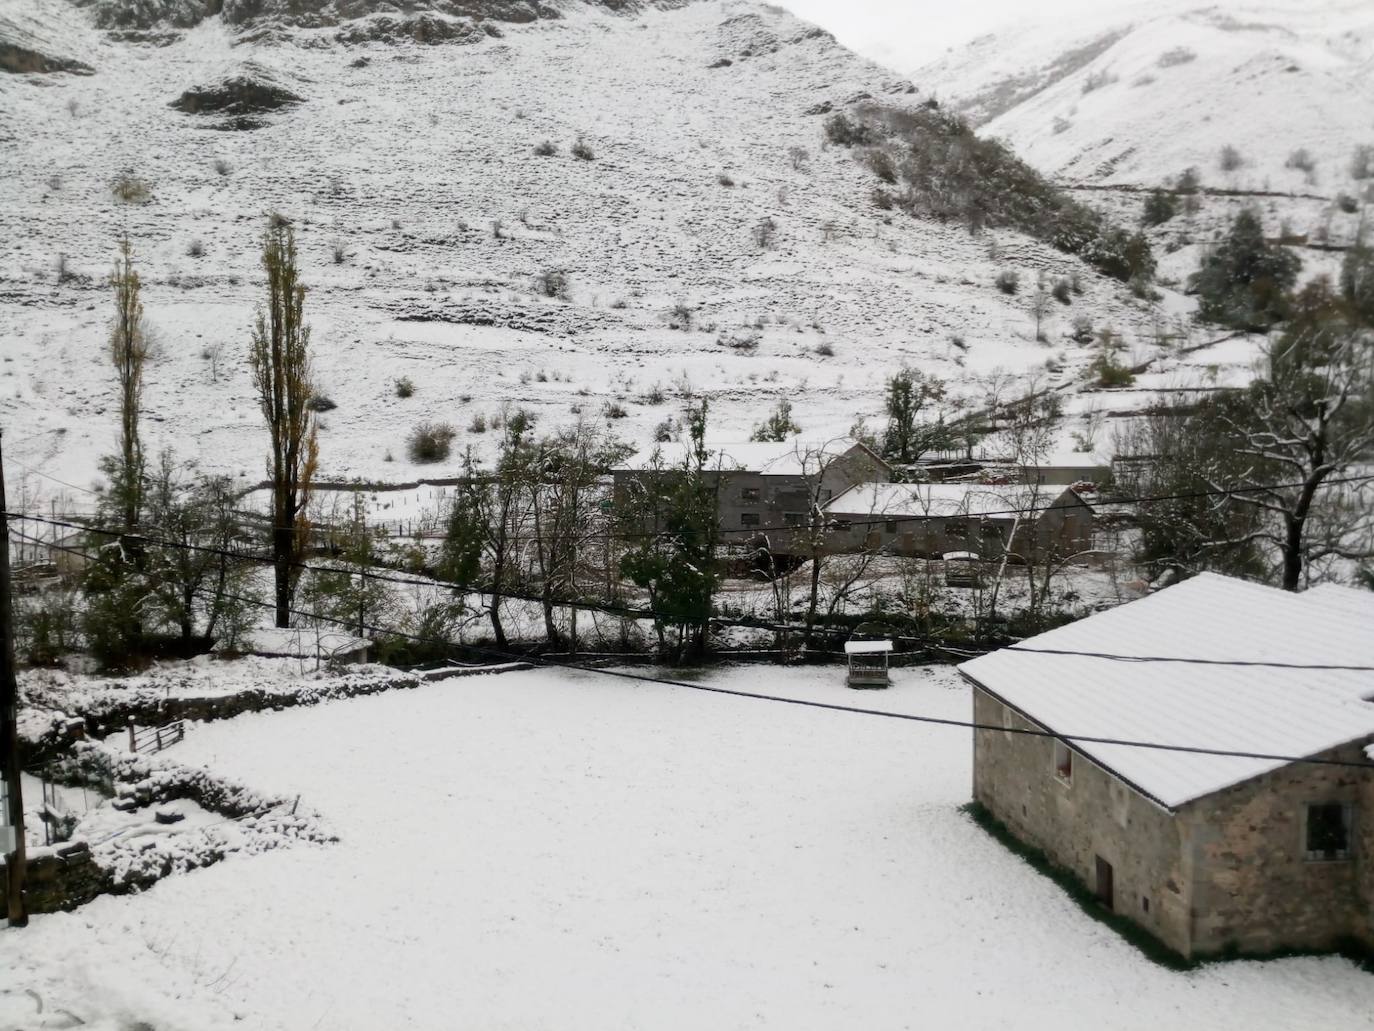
x: 222, y: 167
x: 1188, y: 181
x: 1244, y: 283
x: 338, y: 252
x: 882, y: 199
x: 1062, y: 291
x: 54, y: 182
x: 779, y: 425
x: 879, y: 162
x: 429, y: 442
x: 1229, y: 159
x: 1160, y: 207
x: 478, y: 424
x: 663, y: 432
x: 724, y: 179
x: 1008, y: 281
x: 799, y: 157
x: 1082, y: 329
x: 195, y: 249
x: 64, y: 270
x: 840, y: 129
x: 1362, y: 162
x: 552, y: 283
x: 1096, y: 80
x: 765, y: 233
x: 1175, y: 56
x: 321, y: 403
x: 681, y: 316
x: 655, y: 396
x: 546, y: 149
x: 1347, y: 203
x: 825, y: 349
x: 1300, y: 159
x: 404, y: 387
x: 582, y: 150
x: 130, y: 189
x: 615, y: 410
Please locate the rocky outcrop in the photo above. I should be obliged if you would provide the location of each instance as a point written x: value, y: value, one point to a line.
x: 20, y: 60
x: 252, y: 90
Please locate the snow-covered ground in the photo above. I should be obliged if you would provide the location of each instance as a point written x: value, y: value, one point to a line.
x: 571, y: 850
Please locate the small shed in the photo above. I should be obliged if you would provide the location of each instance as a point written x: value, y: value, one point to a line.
x: 868, y: 663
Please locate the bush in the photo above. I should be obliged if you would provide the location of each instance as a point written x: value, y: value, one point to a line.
x: 725, y: 180
x: 882, y: 199
x: 1300, y: 159
x: 429, y: 442
x: 614, y: 410
x: 1160, y: 207
x: 552, y: 283
x: 582, y: 150
x: 1362, y: 162
x: 1175, y: 56
x: 1096, y: 80
x: 546, y: 149
x: 1082, y: 329
x: 843, y: 131
x: 779, y: 425
x: 321, y: 403
x: 681, y: 316
x: 765, y: 233
x: 1063, y: 291
x: 1008, y: 281
x: 799, y: 157
x: 1188, y: 181
x: 130, y: 189
x: 337, y: 252
x: 1244, y: 283
x: 825, y: 349
x: 478, y: 424
x: 1345, y: 202
x: 222, y: 167
x: 404, y: 387
x: 879, y: 162
x: 1229, y: 159
x: 195, y: 249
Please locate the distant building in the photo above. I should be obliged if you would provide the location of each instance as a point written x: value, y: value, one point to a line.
x: 765, y: 487
x: 928, y: 520
x: 1060, y: 468
x: 1207, y: 852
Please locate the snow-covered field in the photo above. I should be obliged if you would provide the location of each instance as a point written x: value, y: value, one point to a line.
x: 570, y: 850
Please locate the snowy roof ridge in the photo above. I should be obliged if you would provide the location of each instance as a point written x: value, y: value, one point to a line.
x: 945, y: 499
x: 784, y: 457
x: 1181, y: 691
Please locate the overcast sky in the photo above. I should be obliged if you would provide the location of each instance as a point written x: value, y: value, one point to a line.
x: 908, y: 33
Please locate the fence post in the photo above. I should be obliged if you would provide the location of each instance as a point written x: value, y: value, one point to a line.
x: 157, y: 732
x: 133, y: 741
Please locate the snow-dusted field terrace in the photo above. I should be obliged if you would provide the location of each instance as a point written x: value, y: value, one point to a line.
x: 568, y: 850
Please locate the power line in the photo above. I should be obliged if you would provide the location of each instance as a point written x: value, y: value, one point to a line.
x: 650, y: 613
x: 805, y: 702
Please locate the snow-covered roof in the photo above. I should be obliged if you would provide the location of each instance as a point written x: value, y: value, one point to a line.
x: 1272, y: 709
x: 866, y: 647
x: 781, y: 458
x: 943, y: 499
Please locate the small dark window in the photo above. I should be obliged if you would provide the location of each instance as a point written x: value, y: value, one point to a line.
x: 792, y: 518
x: 749, y: 519
x: 957, y: 530
x: 1328, y: 831
x: 1145, y: 903
x: 841, y: 524
x: 1106, y: 888
x: 1063, y: 761
x: 749, y: 495
x: 890, y: 526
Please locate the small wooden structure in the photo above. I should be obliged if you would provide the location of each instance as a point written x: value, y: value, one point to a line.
x: 868, y: 663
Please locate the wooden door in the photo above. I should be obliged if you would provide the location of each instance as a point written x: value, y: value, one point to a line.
x: 1105, y: 889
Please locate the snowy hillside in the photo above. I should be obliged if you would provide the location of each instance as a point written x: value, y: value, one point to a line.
x: 427, y: 226
x: 1138, y: 96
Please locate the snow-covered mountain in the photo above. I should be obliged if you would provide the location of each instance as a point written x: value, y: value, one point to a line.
x: 1136, y: 96
x: 403, y: 147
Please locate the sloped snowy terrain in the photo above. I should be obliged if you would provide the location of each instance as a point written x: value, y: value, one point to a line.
x: 549, y: 850
x: 1137, y: 96
x: 418, y: 162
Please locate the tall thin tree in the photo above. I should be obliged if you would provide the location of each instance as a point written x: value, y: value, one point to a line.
x: 280, y: 357
x: 129, y: 353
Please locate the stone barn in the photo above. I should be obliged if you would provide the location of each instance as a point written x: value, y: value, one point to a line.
x: 1210, y: 853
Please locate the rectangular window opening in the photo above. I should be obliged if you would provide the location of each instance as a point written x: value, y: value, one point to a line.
x: 1328, y: 830
x: 749, y: 519
x: 1063, y: 761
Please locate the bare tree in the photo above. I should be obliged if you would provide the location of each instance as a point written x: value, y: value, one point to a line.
x: 280, y: 358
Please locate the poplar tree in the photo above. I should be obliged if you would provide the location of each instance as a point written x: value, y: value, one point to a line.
x: 280, y: 358
x: 128, y: 353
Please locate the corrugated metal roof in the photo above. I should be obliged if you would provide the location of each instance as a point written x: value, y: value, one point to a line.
x: 1247, y: 708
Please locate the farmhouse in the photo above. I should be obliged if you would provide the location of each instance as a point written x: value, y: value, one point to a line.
x: 766, y: 486
x: 1207, y: 852
x: 929, y: 520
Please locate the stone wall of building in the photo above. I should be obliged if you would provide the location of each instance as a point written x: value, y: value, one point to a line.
x: 1254, y: 887
x: 59, y: 878
x: 1090, y: 815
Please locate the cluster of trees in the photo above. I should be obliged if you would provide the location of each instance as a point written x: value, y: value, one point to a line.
x: 162, y: 572
x: 1274, y: 480
x: 933, y: 164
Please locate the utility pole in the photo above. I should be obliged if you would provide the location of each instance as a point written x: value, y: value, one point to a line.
x: 12, y: 820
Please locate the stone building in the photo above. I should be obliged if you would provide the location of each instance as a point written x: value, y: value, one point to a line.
x: 1209, y: 853
x: 928, y: 520
x: 766, y: 487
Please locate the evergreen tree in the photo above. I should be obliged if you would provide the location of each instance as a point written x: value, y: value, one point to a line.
x: 1160, y: 207
x: 1244, y: 282
x: 909, y: 435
